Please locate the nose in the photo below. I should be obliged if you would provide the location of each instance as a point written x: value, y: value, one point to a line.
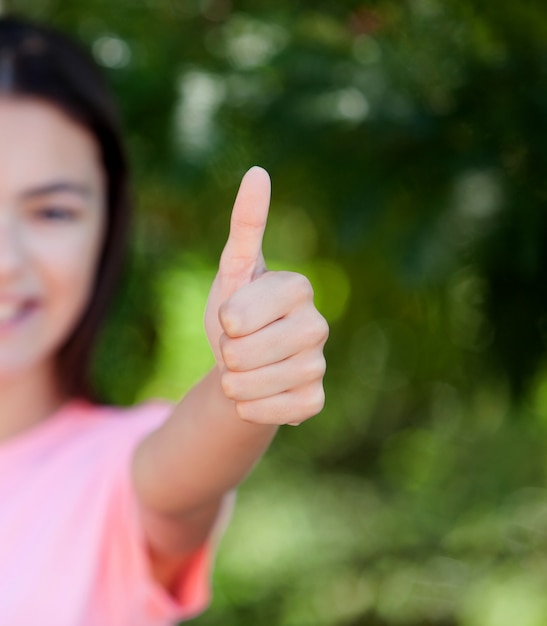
x: 11, y: 249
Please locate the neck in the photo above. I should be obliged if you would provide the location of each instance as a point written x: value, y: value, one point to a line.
x: 27, y: 400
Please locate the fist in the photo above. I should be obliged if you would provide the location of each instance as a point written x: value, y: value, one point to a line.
x: 264, y: 330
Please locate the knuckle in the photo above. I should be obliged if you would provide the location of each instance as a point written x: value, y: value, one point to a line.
x: 317, y: 331
x: 316, y: 368
x: 230, y: 355
x: 229, y: 319
x: 222, y: 342
x: 302, y: 286
x: 315, y: 400
x: 321, y: 328
x: 229, y: 386
x: 245, y: 411
x: 325, y: 330
x: 297, y: 285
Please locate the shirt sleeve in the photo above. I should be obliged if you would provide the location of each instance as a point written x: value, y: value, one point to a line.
x: 154, y: 605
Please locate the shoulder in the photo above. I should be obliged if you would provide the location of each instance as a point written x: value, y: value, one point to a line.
x: 111, y: 426
x: 85, y: 411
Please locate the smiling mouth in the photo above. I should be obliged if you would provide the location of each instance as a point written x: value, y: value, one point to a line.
x: 10, y: 313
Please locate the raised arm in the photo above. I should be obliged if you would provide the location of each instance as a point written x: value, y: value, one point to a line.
x: 267, y: 338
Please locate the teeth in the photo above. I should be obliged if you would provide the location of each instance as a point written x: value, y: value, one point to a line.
x: 9, y: 312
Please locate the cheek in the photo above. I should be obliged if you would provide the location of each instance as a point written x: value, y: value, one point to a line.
x: 67, y: 271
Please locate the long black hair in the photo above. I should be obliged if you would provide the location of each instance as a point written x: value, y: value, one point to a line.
x: 39, y: 62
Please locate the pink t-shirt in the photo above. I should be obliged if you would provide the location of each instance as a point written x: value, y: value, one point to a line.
x: 72, y: 552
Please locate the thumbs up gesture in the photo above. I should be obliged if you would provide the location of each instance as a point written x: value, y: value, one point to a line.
x: 264, y: 330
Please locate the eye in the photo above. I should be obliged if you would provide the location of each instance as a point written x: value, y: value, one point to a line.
x: 55, y: 214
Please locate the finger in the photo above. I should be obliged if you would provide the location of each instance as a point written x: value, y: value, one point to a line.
x: 276, y: 342
x: 261, y: 302
x: 300, y: 370
x: 243, y: 250
x: 291, y: 407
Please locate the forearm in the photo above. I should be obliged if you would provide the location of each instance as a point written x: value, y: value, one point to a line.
x: 268, y: 337
x: 202, y: 451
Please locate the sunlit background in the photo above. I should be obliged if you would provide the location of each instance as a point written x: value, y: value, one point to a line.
x: 406, y: 140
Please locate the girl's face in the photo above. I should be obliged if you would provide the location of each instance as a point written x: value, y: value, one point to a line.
x: 52, y: 220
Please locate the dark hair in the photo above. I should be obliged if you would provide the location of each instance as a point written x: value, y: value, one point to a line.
x: 39, y: 62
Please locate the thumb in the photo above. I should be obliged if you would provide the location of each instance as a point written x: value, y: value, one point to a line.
x: 242, y: 259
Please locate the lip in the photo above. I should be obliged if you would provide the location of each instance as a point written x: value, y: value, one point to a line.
x: 25, y: 309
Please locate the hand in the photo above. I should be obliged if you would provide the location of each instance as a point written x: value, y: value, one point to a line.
x: 265, y: 332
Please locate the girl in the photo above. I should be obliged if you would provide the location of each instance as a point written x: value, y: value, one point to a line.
x: 110, y: 515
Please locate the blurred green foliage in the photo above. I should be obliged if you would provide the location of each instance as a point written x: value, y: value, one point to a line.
x: 407, y: 143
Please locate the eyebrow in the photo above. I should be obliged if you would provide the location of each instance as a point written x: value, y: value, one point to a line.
x: 58, y: 187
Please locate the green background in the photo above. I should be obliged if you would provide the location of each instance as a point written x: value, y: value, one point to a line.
x: 406, y: 140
